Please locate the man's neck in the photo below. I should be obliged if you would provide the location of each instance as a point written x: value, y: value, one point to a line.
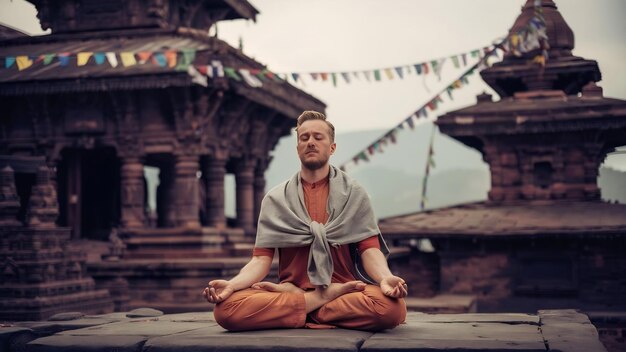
x: 312, y: 176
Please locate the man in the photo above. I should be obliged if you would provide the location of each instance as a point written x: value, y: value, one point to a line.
x: 322, y: 223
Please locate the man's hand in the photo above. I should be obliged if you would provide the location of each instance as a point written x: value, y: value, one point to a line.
x: 218, y: 290
x: 394, y: 286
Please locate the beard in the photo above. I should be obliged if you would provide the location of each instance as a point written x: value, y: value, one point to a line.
x: 314, y: 164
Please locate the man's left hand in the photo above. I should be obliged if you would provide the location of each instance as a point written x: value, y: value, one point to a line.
x: 394, y: 286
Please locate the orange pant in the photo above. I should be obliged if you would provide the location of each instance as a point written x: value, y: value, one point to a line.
x: 252, y: 309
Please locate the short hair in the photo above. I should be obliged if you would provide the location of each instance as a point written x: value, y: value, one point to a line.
x: 314, y: 115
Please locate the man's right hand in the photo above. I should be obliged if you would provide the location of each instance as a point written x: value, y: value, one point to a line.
x: 218, y: 290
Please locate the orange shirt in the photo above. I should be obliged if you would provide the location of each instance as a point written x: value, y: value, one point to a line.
x: 292, y: 265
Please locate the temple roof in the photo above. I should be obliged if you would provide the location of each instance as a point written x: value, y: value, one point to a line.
x: 55, y: 78
x: 566, y: 218
x: 535, y: 112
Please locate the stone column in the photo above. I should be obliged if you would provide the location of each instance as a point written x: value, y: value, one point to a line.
x: 9, y: 201
x: 133, y: 214
x: 259, y: 187
x: 43, y: 209
x: 215, y: 171
x: 244, y: 177
x: 185, y: 195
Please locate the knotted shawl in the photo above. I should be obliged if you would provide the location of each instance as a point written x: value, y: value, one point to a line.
x: 284, y: 222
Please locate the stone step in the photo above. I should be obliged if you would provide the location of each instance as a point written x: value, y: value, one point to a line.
x: 443, y: 303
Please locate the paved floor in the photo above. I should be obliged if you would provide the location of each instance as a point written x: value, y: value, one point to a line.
x: 148, y: 330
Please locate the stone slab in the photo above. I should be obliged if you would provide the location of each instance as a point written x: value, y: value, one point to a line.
x: 215, y: 338
x: 53, y: 327
x: 458, y: 336
x: 101, y: 343
x: 507, y: 318
x: 138, y: 327
x: 569, y: 331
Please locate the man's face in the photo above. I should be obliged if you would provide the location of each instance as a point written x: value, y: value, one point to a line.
x: 314, y: 145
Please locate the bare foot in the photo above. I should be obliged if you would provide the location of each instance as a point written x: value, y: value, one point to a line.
x: 335, y: 290
x: 272, y: 287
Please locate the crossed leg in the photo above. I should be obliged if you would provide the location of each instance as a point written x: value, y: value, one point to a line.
x: 362, y: 307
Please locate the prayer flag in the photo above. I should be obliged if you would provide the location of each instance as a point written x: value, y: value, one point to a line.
x: 410, y: 122
x: 23, y: 62
x: 203, y: 69
x: 9, y: 61
x: 314, y: 76
x: 250, y: 79
x: 324, y: 76
x: 99, y: 58
x: 64, y: 59
x: 455, y: 61
x: 425, y: 67
x: 418, y: 68
x: 295, y: 77
x: 475, y: 53
x: 334, y: 76
x: 187, y: 59
x: 197, y: 77
x: 48, y: 58
x: 356, y: 75
x: 144, y: 56
x: 230, y: 72
x: 218, y: 68
x: 389, y: 73
x: 367, y: 75
x: 128, y: 59
x: 159, y: 59
x: 171, y: 57
x: 399, y: 72
x: 82, y: 58
x: 112, y: 59
x: 464, y: 57
x: 377, y: 75
x: 346, y: 76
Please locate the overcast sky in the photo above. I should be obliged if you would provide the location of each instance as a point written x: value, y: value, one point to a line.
x: 348, y: 35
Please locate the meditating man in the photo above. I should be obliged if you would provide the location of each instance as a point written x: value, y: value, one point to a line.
x: 332, y: 266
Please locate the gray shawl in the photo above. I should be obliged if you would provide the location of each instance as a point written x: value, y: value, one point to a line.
x: 284, y: 222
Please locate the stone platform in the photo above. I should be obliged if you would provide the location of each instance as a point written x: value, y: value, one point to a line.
x: 148, y: 330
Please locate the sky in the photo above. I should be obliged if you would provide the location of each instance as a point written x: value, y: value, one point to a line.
x: 348, y: 35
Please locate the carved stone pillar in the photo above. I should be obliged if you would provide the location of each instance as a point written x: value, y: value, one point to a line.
x: 215, y: 171
x: 185, y: 196
x: 133, y: 206
x: 9, y: 200
x: 43, y: 208
x: 259, y: 187
x: 244, y: 177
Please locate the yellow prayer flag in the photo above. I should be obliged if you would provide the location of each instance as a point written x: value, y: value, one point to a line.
x: 128, y: 59
x: 82, y: 58
x: 23, y: 62
x: 389, y: 73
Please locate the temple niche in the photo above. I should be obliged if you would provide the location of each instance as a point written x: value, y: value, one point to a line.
x: 544, y: 238
x: 98, y: 124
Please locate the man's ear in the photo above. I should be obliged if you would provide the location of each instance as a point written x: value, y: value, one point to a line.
x: 332, y: 148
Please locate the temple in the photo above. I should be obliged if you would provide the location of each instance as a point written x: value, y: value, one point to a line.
x: 543, y: 239
x: 96, y: 106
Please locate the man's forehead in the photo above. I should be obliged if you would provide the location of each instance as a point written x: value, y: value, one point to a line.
x: 313, y: 126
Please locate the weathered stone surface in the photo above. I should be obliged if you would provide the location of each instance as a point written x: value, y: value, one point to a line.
x: 60, y: 343
x: 66, y: 316
x: 215, y: 338
x: 144, y: 313
x: 462, y: 336
x: 569, y: 331
x: 507, y: 318
x: 565, y: 330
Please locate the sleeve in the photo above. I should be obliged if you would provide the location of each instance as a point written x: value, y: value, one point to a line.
x: 370, y: 242
x: 263, y: 252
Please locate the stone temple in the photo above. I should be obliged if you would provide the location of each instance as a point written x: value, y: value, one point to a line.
x: 78, y: 130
